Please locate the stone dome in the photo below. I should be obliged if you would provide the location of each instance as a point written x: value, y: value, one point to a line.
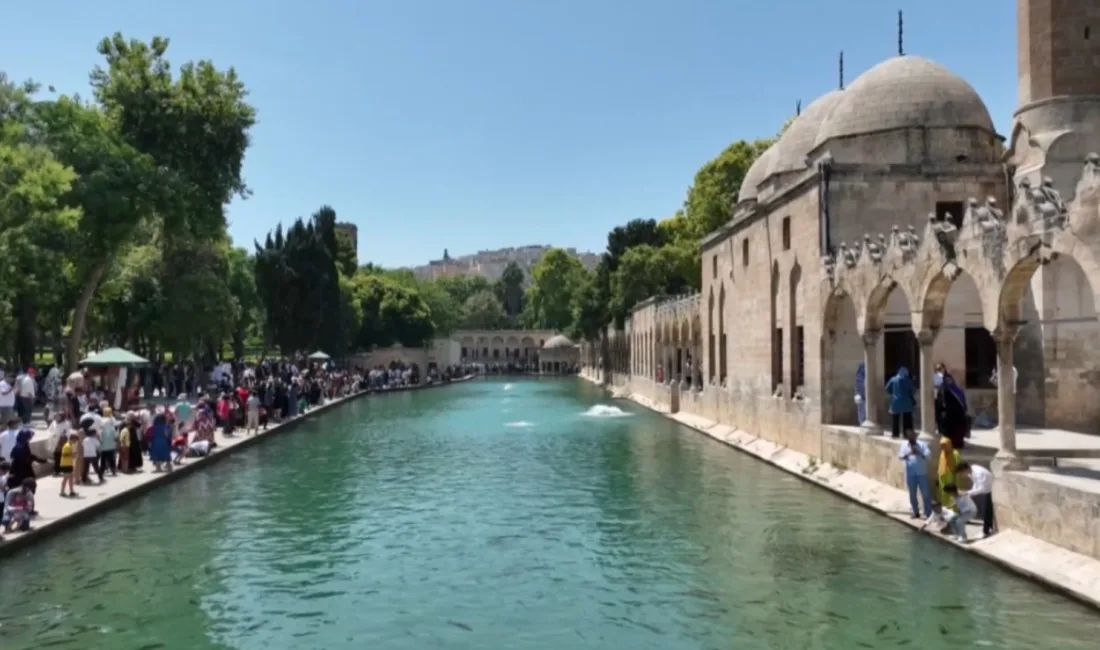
x: 905, y: 92
x: 758, y: 172
x: 799, y: 138
x: 556, y: 342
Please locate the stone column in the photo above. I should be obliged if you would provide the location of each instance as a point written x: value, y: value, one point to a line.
x: 876, y: 391
x: 1006, y: 458
x: 927, y: 339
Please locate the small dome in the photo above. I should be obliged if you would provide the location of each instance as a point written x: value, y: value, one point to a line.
x: 558, y: 341
x: 905, y: 92
x: 758, y: 171
x: 798, y: 140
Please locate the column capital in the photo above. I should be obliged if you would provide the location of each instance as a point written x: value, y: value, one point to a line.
x: 871, y: 337
x: 928, y: 336
x: 1005, y: 334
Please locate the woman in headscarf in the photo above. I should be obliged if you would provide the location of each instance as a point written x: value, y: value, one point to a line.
x: 134, y: 430
x: 945, y: 483
x: 23, y: 460
x: 205, y: 426
x: 951, y: 412
x: 861, y: 393
x: 160, y: 448
x: 900, y: 390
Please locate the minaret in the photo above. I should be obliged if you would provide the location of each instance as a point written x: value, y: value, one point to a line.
x: 1058, y: 119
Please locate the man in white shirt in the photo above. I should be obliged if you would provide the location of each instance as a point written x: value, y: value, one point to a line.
x: 980, y: 492
x: 26, y: 389
x: 8, y: 438
x: 7, y: 399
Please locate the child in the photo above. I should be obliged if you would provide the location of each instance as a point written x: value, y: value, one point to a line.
x: 91, y: 447
x: 66, y: 461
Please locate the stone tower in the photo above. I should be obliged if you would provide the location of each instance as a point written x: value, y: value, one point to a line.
x: 1058, y: 121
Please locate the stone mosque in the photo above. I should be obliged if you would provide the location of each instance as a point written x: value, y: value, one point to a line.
x: 891, y: 224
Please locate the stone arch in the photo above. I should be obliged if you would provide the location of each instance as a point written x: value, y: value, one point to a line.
x: 875, y: 308
x: 723, y: 338
x: 841, y: 350
x: 774, y: 335
x: 934, y: 293
x: 795, y: 328
x: 1047, y: 307
x: 711, y: 338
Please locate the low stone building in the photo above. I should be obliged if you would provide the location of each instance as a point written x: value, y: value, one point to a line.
x: 500, y: 346
x: 890, y: 226
x: 559, y: 355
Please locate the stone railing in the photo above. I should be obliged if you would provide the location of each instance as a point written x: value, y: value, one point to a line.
x: 678, y: 307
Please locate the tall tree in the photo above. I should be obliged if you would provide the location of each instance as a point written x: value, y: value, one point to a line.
x: 557, y: 277
x: 484, y: 311
x: 155, y: 145
x: 713, y: 193
x: 510, y: 289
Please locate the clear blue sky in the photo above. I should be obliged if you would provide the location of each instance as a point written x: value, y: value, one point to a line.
x: 475, y: 124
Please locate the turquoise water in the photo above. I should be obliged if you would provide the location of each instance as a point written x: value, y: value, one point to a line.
x: 493, y: 515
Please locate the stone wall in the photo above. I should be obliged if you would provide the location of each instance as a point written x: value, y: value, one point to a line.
x: 1049, y: 510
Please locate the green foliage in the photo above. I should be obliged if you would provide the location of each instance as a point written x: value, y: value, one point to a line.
x: 347, y: 260
x: 557, y: 278
x: 713, y: 194
x: 299, y: 286
x: 391, y: 313
x: 483, y: 311
x: 510, y: 290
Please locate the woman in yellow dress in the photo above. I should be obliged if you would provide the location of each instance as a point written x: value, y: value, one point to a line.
x: 949, y: 460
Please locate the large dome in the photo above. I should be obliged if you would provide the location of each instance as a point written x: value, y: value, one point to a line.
x: 799, y: 138
x: 905, y: 92
x: 558, y: 341
x: 758, y: 171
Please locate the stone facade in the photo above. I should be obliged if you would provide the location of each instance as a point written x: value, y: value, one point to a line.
x: 889, y: 226
x: 498, y: 346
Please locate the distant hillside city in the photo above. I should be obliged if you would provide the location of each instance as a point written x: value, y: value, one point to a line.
x: 491, y: 264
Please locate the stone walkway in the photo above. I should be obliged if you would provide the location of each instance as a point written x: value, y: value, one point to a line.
x: 57, y: 512
x: 1073, y: 574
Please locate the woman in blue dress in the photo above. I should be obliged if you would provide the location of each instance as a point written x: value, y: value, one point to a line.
x: 160, y: 448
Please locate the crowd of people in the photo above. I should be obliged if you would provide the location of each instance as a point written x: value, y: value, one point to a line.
x: 89, y: 442
x: 960, y: 490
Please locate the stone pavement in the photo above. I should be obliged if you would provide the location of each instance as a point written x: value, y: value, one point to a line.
x: 57, y: 512
x: 1072, y: 574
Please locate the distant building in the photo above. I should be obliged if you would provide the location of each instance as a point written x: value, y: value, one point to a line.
x: 491, y: 264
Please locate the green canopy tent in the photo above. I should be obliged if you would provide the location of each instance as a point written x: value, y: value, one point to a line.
x: 319, y: 356
x: 114, y: 357
x: 113, y: 363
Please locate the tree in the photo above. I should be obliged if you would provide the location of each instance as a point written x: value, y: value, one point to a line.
x: 557, y: 277
x: 299, y: 286
x: 37, y: 228
x: 590, y: 305
x: 152, y: 146
x: 247, y: 306
x: 713, y: 193
x: 347, y: 260
x: 390, y: 313
x: 484, y: 311
x: 461, y: 287
x: 510, y: 289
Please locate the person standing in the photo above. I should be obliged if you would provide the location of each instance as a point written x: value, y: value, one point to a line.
x: 900, y: 390
x: 252, y: 405
x: 914, y: 453
x: 7, y: 399
x: 26, y: 391
x: 861, y: 393
x: 108, y: 444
